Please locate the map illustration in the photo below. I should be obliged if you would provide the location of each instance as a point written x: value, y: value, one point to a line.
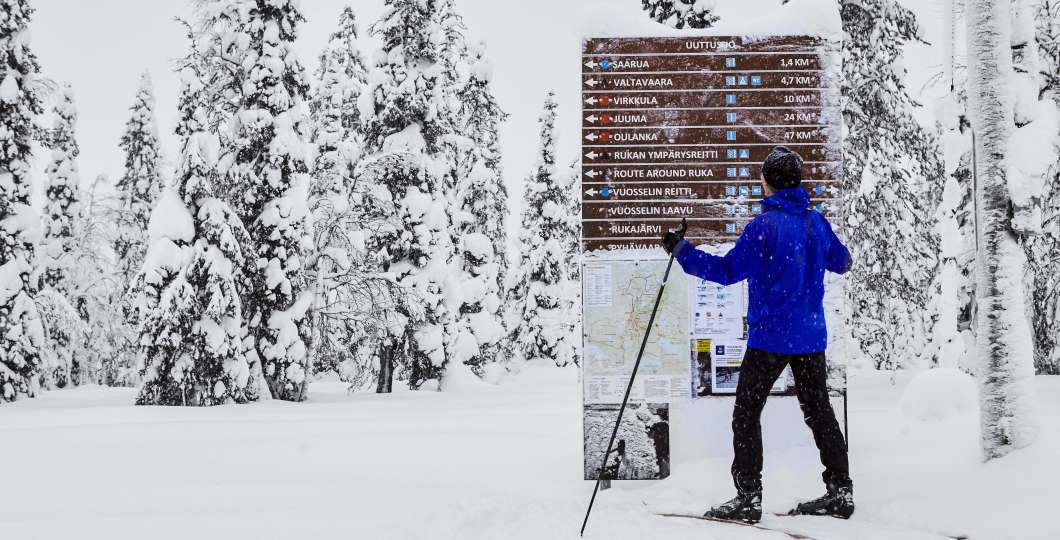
x: 618, y: 299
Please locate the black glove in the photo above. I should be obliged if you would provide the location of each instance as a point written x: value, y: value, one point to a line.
x: 670, y: 239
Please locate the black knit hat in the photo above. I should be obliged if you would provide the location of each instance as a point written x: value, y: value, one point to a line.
x: 782, y: 168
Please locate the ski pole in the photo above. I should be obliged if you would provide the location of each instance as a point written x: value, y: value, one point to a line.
x: 633, y: 375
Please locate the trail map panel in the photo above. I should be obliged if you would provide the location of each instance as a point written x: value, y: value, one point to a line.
x: 618, y: 298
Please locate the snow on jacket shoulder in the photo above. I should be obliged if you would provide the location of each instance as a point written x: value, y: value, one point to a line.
x: 783, y: 254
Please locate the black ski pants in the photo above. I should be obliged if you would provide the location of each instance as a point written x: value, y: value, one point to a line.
x: 758, y: 373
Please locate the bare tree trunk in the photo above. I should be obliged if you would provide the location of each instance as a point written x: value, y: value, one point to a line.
x: 385, y: 379
x: 1004, y: 346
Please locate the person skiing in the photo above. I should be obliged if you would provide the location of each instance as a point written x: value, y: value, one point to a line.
x: 783, y: 254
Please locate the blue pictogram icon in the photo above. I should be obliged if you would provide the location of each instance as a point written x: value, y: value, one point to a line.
x: 605, y: 192
x: 605, y: 63
x: 730, y: 99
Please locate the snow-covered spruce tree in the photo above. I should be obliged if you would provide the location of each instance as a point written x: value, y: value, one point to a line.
x: 190, y: 336
x: 682, y: 13
x: 893, y: 179
x: 220, y: 33
x: 269, y: 175
x: 337, y: 265
x: 336, y: 119
x: 465, y: 107
x: 141, y: 180
x: 406, y: 168
x: 60, y: 210
x: 574, y: 249
x: 482, y: 209
x: 21, y: 332
x: 1003, y: 340
x: 542, y: 327
x: 137, y: 191
x: 1044, y: 265
x: 61, y: 192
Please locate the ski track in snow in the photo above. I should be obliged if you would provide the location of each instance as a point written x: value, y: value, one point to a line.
x: 483, y: 462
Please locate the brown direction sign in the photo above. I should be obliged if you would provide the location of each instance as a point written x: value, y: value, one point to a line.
x: 711, y: 98
x: 695, y: 81
x: 716, y: 191
x: 723, y: 172
x: 682, y: 209
x: 652, y: 229
x: 709, y: 118
x: 678, y: 128
x: 702, y: 62
x: 734, y: 135
x: 707, y: 153
x: 714, y: 44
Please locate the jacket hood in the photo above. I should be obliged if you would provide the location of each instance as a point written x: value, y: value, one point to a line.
x: 792, y: 200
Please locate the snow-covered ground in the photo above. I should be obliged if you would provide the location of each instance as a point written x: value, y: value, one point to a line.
x: 483, y: 462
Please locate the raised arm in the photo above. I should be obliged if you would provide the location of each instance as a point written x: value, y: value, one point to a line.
x: 741, y: 262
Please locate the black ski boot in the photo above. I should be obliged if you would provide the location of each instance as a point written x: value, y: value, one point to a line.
x: 746, y: 507
x: 838, y: 502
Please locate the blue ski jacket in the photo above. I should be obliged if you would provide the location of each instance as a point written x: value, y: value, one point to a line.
x: 783, y: 255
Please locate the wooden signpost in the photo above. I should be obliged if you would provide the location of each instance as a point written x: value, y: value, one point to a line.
x: 678, y: 128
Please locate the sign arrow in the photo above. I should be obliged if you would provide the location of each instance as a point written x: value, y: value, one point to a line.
x: 592, y: 155
x: 591, y: 100
x: 590, y: 64
x: 591, y: 137
x: 591, y: 192
x: 592, y: 119
x: 592, y: 83
x: 591, y: 173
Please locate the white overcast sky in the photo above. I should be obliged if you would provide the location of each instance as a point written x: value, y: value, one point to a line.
x: 102, y: 46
